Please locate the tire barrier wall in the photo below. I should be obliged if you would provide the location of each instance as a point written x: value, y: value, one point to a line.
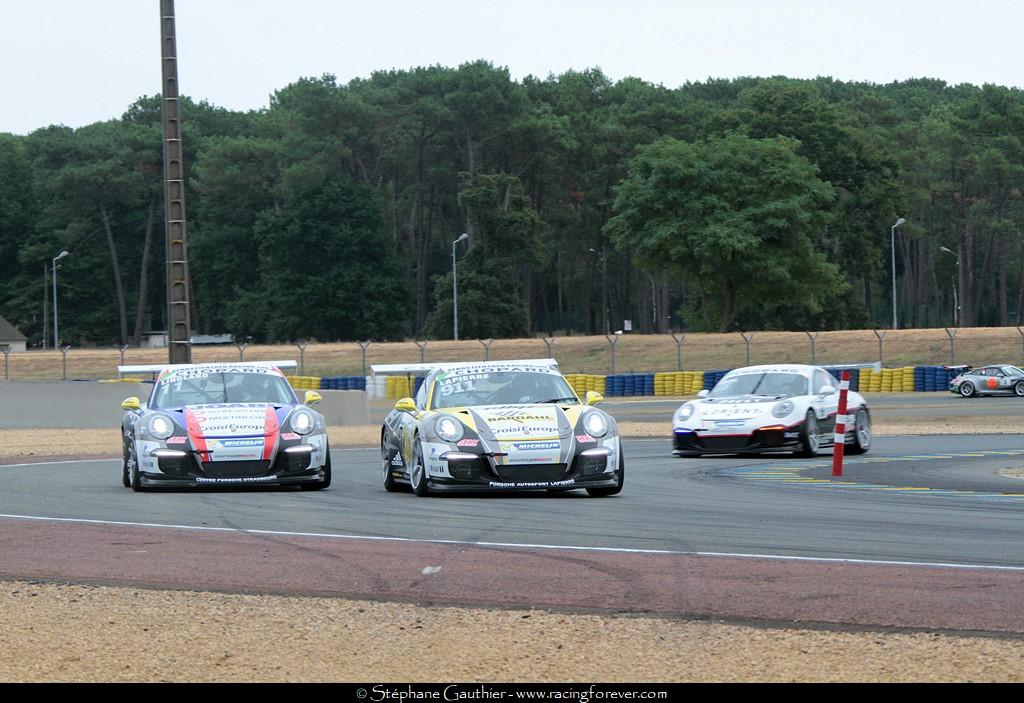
x: 904, y: 379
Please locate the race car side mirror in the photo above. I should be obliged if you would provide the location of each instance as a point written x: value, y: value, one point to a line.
x: 593, y: 398
x: 827, y: 390
x: 312, y: 398
x: 703, y: 393
x: 132, y: 404
x: 406, y: 405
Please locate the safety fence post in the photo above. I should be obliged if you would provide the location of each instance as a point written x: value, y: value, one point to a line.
x: 1021, y: 333
x: 549, y: 342
x: 612, y: 341
x: 487, y: 348
x: 748, y: 339
x: 423, y: 350
x: 814, y: 344
x: 64, y: 361
x: 839, y: 441
x: 952, y: 345
x: 679, y: 338
x: 302, y: 344
x: 363, y: 346
x: 241, y: 348
x: 881, y: 345
x: 6, y: 349
x: 123, y: 348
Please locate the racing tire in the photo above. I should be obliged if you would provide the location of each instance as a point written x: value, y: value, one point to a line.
x: 861, y: 433
x: 967, y: 389
x: 418, y: 472
x: 611, y: 490
x: 126, y: 480
x: 325, y: 481
x: 389, y: 481
x: 1018, y: 389
x: 810, y: 441
x: 134, y: 475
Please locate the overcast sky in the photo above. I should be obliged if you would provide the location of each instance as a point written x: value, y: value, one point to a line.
x: 74, y: 62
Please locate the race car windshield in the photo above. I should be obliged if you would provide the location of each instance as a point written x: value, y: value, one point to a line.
x: 201, y: 387
x: 500, y: 388
x: 769, y: 384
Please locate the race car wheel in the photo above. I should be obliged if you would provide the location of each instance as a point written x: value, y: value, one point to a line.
x: 861, y: 433
x: 418, y: 472
x: 611, y: 490
x: 126, y: 480
x: 325, y: 481
x: 809, y: 439
x: 134, y: 475
x: 967, y: 389
x: 1018, y: 389
x: 385, y: 459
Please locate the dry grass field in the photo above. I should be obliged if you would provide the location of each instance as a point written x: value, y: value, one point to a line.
x: 633, y: 353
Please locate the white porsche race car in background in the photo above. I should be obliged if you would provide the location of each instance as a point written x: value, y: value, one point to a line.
x: 770, y: 408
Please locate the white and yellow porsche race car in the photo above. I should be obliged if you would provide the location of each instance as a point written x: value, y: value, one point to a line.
x: 503, y: 425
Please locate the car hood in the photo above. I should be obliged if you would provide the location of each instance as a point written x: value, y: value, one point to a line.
x: 737, y: 407
x: 233, y: 420
x: 504, y: 423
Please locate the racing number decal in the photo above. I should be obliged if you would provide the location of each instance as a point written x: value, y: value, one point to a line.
x: 459, y: 387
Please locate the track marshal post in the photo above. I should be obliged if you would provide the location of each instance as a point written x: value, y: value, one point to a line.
x: 839, y: 443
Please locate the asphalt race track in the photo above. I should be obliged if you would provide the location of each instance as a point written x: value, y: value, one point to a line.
x: 922, y: 532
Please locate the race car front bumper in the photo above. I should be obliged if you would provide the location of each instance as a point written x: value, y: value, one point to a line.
x: 180, y: 468
x: 590, y: 468
x: 686, y: 442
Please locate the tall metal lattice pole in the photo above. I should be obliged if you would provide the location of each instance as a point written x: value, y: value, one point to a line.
x: 178, y: 322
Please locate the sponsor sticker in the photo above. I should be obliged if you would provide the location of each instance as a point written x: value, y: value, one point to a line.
x: 468, y: 442
x: 240, y: 479
x: 289, y: 436
x: 584, y: 438
x: 535, y: 446
x: 177, y: 439
x: 532, y: 484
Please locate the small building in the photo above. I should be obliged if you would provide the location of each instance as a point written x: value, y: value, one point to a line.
x: 11, y: 337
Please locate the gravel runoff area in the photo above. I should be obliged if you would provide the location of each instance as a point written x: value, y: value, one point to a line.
x: 88, y: 633
x: 76, y: 632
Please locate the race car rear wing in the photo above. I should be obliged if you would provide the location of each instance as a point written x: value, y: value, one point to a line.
x: 160, y: 368
x: 874, y: 365
x: 484, y: 366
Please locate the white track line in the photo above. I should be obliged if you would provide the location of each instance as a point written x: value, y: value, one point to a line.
x: 514, y: 545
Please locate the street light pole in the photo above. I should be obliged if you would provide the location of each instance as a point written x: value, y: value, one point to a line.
x: 455, y: 288
x: 892, y: 243
x: 956, y: 302
x: 53, y: 276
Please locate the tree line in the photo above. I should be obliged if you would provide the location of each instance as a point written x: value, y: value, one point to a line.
x: 752, y: 203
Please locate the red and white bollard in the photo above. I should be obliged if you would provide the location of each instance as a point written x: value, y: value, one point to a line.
x: 839, y: 441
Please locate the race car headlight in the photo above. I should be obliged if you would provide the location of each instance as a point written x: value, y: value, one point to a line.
x: 782, y: 409
x: 160, y: 427
x: 449, y: 429
x: 595, y: 424
x: 303, y: 422
x: 684, y: 413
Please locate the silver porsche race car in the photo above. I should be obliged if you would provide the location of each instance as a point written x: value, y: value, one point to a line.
x: 503, y: 425
x: 773, y: 408
x: 998, y: 379
x: 232, y: 424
